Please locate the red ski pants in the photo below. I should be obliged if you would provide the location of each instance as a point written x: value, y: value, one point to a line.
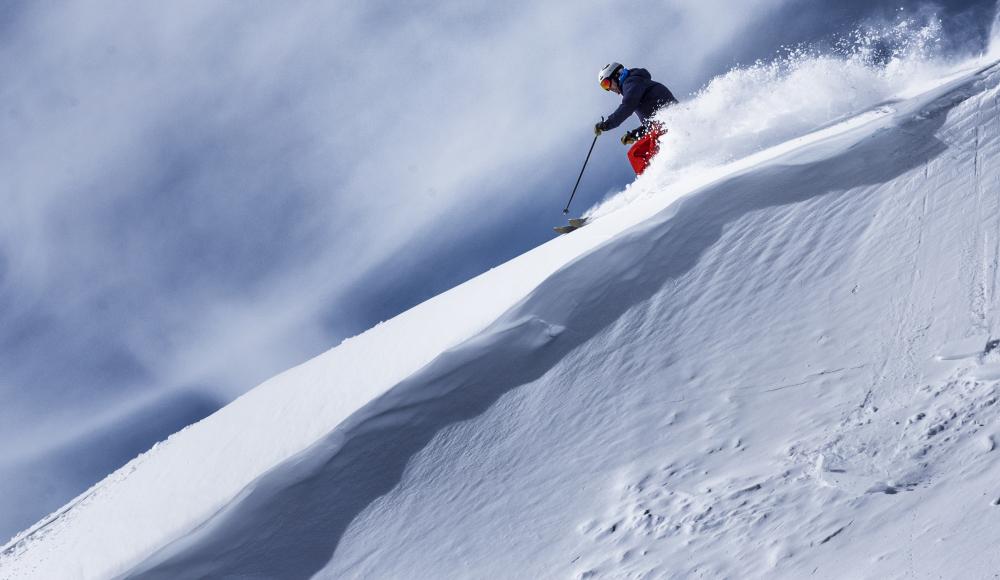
x: 643, y: 151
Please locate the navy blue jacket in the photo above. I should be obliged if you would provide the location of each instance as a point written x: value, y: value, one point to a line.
x: 640, y: 95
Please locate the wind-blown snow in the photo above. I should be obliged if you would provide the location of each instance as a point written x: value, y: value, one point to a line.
x: 770, y: 102
x: 787, y: 372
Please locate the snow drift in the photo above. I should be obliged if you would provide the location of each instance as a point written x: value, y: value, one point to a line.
x: 782, y: 365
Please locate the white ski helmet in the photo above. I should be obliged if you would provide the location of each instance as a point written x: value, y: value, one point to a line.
x: 608, y: 72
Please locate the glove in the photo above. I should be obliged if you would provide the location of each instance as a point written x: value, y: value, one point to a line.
x: 630, y: 137
x: 598, y: 129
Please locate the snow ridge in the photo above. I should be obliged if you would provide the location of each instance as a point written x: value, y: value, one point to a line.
x: 775, y: 370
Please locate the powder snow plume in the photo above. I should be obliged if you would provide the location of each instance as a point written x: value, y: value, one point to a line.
x: 754, y: 107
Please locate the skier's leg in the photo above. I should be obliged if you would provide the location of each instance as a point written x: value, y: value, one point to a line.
x: 643, y: 151
x: 640, y: 154
x: 637, y: 162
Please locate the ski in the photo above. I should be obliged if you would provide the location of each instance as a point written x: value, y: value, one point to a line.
x: 574, y: 224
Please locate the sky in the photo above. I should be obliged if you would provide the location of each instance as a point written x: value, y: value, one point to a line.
x: 197, y: 196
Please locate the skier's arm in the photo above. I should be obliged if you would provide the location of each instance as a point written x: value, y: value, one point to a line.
x: 630, y: 102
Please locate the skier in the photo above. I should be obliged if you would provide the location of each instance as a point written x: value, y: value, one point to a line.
x: 640, y: 95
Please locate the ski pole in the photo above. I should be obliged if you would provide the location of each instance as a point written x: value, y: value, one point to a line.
x: 566, y: 209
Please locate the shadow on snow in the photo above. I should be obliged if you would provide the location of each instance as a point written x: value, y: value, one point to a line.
x: 289, y: 522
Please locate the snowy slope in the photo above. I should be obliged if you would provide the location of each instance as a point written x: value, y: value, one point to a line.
x: 774, y: 367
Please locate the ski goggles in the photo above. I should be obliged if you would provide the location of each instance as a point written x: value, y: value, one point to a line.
x: 606, y: 84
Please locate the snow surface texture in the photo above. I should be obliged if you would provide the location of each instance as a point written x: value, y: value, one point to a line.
x: 791, y: 371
